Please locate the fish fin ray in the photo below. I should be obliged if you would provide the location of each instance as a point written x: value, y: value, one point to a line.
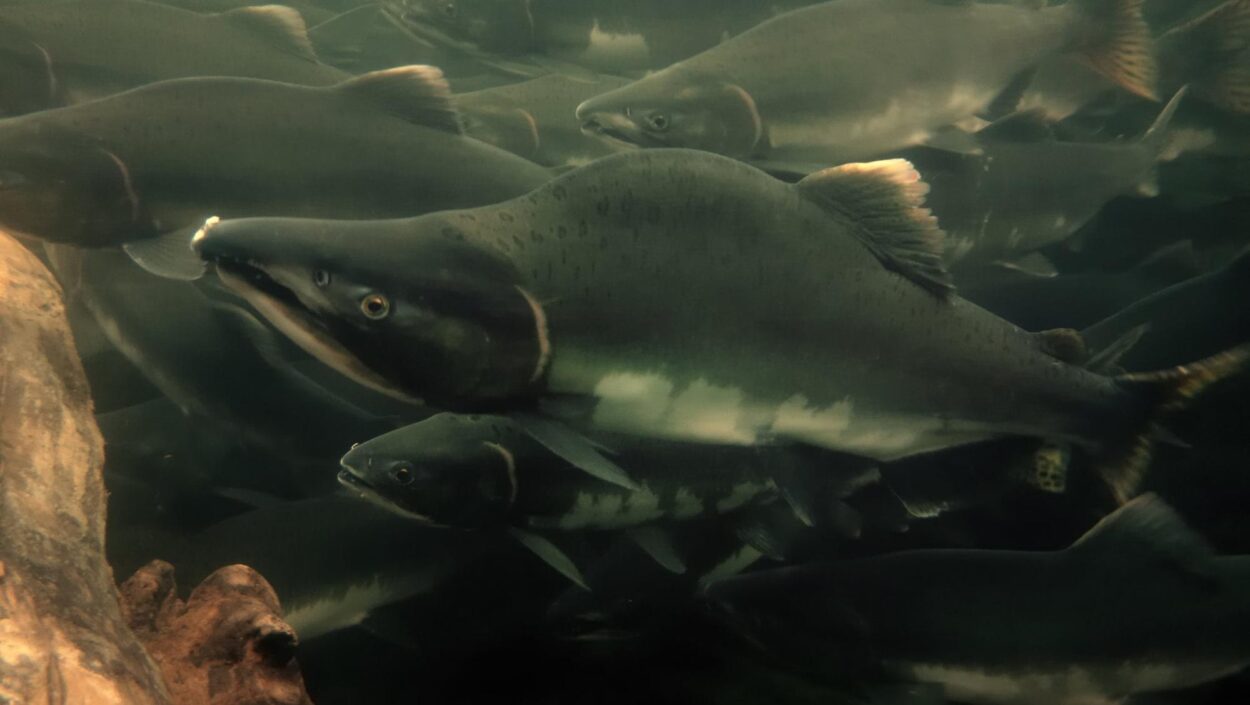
x: 169, y: 256
x: 551, y: 555
x: 1148, y: 525
x: 656, y: 542
x: 1107, y: 360
x: 574, y: 449
x: 885, y: 202
x: 281, y: 25
x: 1222, y: 37
x: 1157, y: 137
x: 1125, y: 50
x: 418, y: 94
x: 1158, y: 394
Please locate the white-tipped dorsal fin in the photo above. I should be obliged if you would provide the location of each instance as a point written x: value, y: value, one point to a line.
x: 418, y: 94
x: 283, y: 26
x: 884, y: 202
x: 1146, y: 526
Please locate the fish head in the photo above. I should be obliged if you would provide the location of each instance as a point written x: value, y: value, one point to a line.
x: 674, y: 108
x: 451, y: 470
x: 410, y: 309
x: 71, y: 191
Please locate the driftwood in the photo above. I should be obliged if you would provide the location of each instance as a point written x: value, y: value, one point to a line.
x: 65, y: 637
x: 226, y: 645
x: 62, y: 635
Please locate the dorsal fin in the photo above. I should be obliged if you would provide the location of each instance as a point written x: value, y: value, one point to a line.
x: 1024, y: 126
x: 1144, y: 527
x: 278, y: 24
x: 885, y: 202
x: 418, y: 94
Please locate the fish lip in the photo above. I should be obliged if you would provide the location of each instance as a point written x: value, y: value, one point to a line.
x: 348, y: 478
x: 248, y: 273
x: 614, y: 130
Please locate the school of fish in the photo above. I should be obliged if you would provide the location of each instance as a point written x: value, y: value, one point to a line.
x: 857, y: 351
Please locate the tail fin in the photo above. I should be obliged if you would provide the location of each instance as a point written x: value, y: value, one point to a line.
x: 1213, y: 53
x: 1162, y: 393
x: 1123, y: 50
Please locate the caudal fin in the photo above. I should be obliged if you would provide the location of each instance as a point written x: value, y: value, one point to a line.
x: 1212, y: 54
x: 1159, y: 394
x: 1122, y: 48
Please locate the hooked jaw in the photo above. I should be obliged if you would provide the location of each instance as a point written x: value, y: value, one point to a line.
x: 616, y: 124
x: 256, y: 259
x: 354, y: 466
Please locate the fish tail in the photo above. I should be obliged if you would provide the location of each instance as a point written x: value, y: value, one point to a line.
x: 1159, y: 394
x: 1122, y: 48
x: 1222, y: 38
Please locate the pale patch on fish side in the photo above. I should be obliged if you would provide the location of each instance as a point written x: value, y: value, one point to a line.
x: 740, y: 494
x: 647, y: 403
x: 797, y: 419
x: 631, y: 399
x: 686, y: 504
x: 609, y: 510
x: 1098, y: 685
x: 347, y: 609
x: 705, y: 411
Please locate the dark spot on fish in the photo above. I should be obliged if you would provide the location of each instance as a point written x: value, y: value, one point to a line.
x: 603, y: 205
x: 583, y: 228
x: 562, y: 232
x: 506, y: 217
x: 453, y: 234
x: 536, y: 236
x: 519, y: 242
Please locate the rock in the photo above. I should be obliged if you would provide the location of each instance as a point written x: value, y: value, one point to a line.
x: 62, y: 635
x: 226, y: 645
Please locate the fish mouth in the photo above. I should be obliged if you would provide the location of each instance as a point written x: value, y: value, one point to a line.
x: 361, y: 487
x: 283, y: 307
x: 619, y: 129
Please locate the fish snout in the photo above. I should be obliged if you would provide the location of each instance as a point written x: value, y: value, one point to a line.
x: 609, y: 124
x: 197, y: 240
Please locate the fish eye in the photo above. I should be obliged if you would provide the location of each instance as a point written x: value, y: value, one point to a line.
x: 321, y: 278
x: 403, y: 475
x: 375, y: 306
x: 658, y: 121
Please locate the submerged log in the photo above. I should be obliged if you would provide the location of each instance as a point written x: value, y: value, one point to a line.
x: 226, y: 645
x: 63, y: 638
